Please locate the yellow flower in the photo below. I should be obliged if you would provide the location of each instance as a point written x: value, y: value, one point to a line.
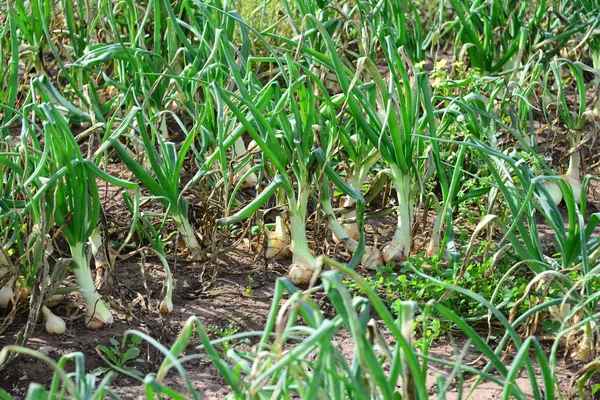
x: 420, y: 65
x: 441, y: 64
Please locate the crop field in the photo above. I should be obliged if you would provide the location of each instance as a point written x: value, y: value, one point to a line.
x: 299, y: 199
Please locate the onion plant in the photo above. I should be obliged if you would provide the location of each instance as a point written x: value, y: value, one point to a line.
x: 574, y: 242
x: 400, y: 20
x: 71, y: 196
x: 293, y: 136
x: 291, y: 125
x: 494, y: 33
x: 358, y: 155
x: 77, y: 204
x: 146, y: 229
x: 390, y: 121
x: 167, y: 163
x: 27, y: 221
x: 574, y: 121
x: 576, y: 246
x: 371, y: 259
x: 584, y: 14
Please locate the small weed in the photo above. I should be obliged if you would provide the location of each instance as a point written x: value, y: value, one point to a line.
x: 397, y: 284
x: 119, y: 355
x: 249, y: 287
x: 225, y: 332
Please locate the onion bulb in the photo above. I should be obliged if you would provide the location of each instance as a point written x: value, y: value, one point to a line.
x: 278, y: 242
x: 395, y: 252
x: 398, y: 249
x: 302, y: 271
x: 554, y: 191
x: 21, y: 292
x: 166, y: 306
x: 350, y: 228
x: 304, y: 264
x: 54, y: 324
x: 251, y: 179
x: 571, y: 177
x: 595, y: 54
x: 300, y: 274
x: 433, y: 248
x: 6, y: 292
x: 97, y: 315
x: 55, y: 300
x: 584, y: 350
x: 434, y: 245
x: 371, y: 258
